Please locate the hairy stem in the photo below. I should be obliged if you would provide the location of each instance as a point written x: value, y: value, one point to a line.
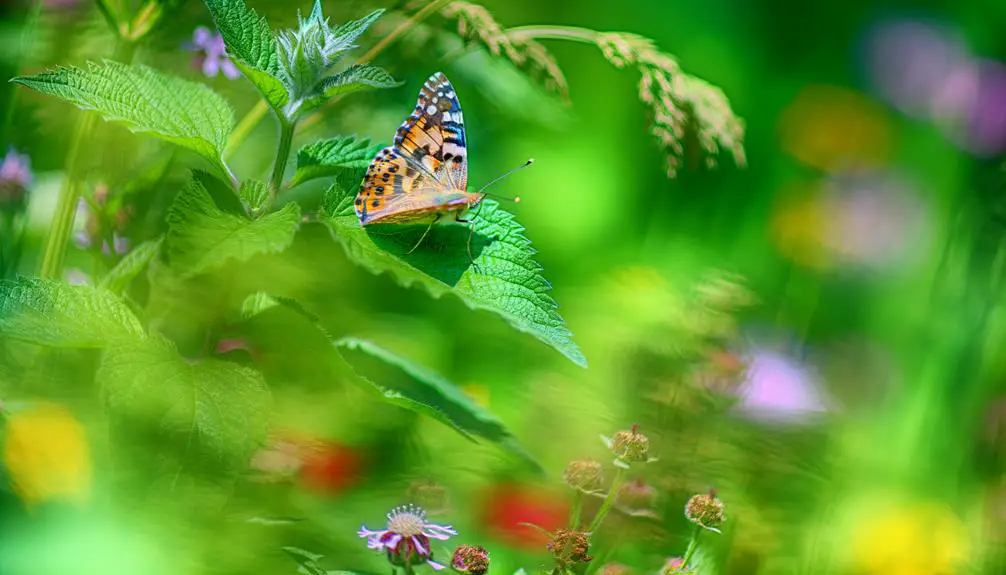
x: 286, y: 128
x: 572, y: 33
x: 609, y: 500
x: 692, y: 546
x: 69, y: 193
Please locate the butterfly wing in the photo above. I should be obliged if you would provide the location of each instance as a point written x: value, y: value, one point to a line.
x: 428, y: 160
x: 434, y: 134
x: 389, y: 179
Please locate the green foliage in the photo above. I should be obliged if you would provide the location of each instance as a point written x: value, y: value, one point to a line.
x: 255, y: 195
x: 53, y: 313
x: 419, y: 389
x: 119, y: 277
x: 196, y: 416
x: 330, y: 157
x: 202, y: 237
x: 251, y: 44
x: 509, y: 282
x: 356, y: 78
x: 185, y: 113
x: 292, y: 68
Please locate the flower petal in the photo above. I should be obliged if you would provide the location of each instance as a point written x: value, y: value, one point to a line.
x: 423, y: 551
x: 438, y: 531
x: 436, y: 566
x: 393, y: 542
x: 211, y: 66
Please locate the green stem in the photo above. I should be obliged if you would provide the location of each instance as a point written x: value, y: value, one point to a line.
x: 286, y: 128
x: 692, y: 546
x: 244, y: 127
x: 69, y: 193
x: 609, y: 500
x: 573, y: 33
x: 574, y: 518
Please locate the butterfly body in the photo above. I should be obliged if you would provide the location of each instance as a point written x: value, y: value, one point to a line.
x: 423, y: 176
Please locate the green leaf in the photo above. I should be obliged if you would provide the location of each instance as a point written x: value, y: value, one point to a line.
x: 308, y: 561
x: 356, y: 78
x: 204, y: 416
x: 53, y: 313
x: 252, y: 45
x: 201, y: 237
x: 135, y: 262
x: 417, y: 388
x: 329, y: 157
x: 255, y: 195
x: 348, y: 33
x: 510, y: 284
x: 185, y: 113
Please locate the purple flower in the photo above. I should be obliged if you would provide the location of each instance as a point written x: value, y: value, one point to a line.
x: 212, y: 57
x: 15, y: 178
x: 119, y: 243
x: 16, y: 169
x: 779, y: 388
x: 407, y: 537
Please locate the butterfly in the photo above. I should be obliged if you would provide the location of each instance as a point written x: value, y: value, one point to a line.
x: 423, y: 176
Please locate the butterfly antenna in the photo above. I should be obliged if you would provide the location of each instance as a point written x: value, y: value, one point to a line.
x: 514, y: 199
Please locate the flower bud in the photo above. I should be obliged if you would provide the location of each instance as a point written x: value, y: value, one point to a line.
x: 629, y: 446
x: 584, y: 474
x: 570, y: 547
x: 705, y: 510
x: 636, y: 496
x: 429, y: 495
x: 470, y: 560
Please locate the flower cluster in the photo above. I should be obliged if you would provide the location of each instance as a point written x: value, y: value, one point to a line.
x: 470, y: 560
x: 570, y: 547
x: 705, y: 510
x: 629, y: 447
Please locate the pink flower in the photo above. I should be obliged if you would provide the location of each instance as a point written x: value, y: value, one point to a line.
x: 407, y: 537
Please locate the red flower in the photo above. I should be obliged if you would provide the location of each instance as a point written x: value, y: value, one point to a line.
x: 507, y: 506
x: 330, y: 468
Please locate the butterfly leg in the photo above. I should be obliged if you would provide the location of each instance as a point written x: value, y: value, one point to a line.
x: 423, y: 237
x: 471, y: 232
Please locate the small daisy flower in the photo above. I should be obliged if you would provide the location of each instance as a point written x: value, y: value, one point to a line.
x: 407, y: 537
x: 211, y: 53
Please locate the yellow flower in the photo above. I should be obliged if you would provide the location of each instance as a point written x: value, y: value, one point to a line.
x: 46, y: 453
x: 924, y: 538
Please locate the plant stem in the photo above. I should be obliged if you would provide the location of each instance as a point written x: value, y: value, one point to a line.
x: 402, y: 29
x: 572, y: 33
x: 609, y: 500
x: 692, y: 546
x: 69, y: 193
x: 286, y: 128
x: 574, y: 518
x: 247, y: 124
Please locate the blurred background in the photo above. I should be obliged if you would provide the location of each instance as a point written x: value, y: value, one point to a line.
x: 813, y: 327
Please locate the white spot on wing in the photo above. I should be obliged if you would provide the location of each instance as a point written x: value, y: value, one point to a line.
x: 431, y: 110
